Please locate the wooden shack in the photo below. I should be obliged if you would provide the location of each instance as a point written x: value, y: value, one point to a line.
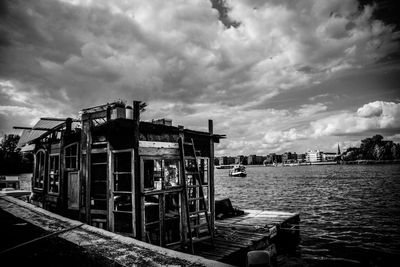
x: 148, y: 180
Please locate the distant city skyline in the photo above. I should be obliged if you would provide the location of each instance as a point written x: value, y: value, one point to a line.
x: 274, y: 76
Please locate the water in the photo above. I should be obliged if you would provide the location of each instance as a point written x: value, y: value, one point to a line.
x: 350, y: 214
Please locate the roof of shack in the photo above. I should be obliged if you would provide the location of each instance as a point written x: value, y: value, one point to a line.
x: 42, y: 128
x: 152, y: 128
x: 28, y: 136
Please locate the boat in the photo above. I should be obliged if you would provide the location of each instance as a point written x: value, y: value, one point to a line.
x: 238, y: 171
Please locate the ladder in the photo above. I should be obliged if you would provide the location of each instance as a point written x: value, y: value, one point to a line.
x: 194, y: 200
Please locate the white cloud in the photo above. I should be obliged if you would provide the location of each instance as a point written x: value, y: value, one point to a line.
x: 179, y: 49
x: 177, y: 56
x: 311, y: 109
x: 372, y: 116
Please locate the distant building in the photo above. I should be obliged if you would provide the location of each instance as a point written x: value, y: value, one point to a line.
x: 273, y: 158
x: 301, y: 157
x: 318, y: 156
x: 255, y: 160
x: 224, y: 160
x: 314, y: 156
x: 260, y: 160
x: 329, y: 156
x: 231, y: 160
x: 289, y: 157
x: 251, y: 160
x: 241, y: 160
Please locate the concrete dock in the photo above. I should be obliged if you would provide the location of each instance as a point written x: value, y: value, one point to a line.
x: 93, y: 246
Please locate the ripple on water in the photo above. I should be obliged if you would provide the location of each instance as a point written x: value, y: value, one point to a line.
x: 350, y: 214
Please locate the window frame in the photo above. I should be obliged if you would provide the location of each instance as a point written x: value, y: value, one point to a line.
x: 71, y: 157
x: 163, y: 185
x: 38, y: 169
x: 57, y: 174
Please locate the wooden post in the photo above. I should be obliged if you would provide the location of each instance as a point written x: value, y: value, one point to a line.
x: 185, y: 210
x: 68, y: 126
x: 87, y: 129
x: 138, y: 205
x: 211, y: 172
x: 108, y: 113
x: 63, y: 184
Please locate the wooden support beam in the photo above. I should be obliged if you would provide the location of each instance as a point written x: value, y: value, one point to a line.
x: 138, y: 204
x: 32, y: 128
x: 211, y: 173
x: 59, y: 119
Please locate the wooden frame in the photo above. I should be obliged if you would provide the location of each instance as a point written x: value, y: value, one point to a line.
x: 161, y: 193
x: 78, y: 189
x: 59, y: 174
x: 112, y: 191
x: 77, y: 156
x: 36, y: 172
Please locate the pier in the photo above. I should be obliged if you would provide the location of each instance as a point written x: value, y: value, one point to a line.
x: 273, y: 231
x: 102, y: 248
x: 234, y: 237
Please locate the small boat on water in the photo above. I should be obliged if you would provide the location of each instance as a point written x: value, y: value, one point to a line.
x: 238, y: 171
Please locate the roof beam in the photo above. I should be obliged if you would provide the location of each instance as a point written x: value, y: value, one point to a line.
x: 58, y: 119
x: 32, y: 128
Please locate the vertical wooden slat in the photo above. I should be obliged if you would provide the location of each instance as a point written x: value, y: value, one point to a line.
x: 110, y: 190
x: 62, y: 184
x: 211, y: 172
x: 136, y: 160
x: 88, y: 168
x: 82, y: 171
x: 133, y: 196
x: 142, y: 224
x: 161, y: 206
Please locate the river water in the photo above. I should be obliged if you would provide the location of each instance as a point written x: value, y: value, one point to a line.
x: 350, y: 214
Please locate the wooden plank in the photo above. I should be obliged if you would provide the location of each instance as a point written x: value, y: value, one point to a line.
x: 136, y: 172
x: 211, y: 174
x: 73, y: 190
x: 151, y: 144
x: 152, y: 151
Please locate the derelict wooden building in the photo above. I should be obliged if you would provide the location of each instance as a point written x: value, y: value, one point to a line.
x: 149, y: 180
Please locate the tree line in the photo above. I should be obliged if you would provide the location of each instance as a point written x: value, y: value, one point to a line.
x: 12, y: 161
x: 373, y: 148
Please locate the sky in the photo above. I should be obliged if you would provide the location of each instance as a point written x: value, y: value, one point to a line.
x: 275, y: 76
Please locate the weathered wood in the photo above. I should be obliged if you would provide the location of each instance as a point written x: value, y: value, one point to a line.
x: 236, y: 236
x: 73, y: 190
x: 151, y: 144
x: 211, y: 174
x: 87, y: 125
x: 136, y: 169
x: 151, y: 151
x: 119, y: 250
x: 32, y: 128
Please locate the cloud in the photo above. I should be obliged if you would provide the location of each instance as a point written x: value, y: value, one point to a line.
x: 372, y: 117
x: 378, y: 115
x: 179, y: 50
x: 374, y: 109
x: 62, y: 56
x: 311, y: 109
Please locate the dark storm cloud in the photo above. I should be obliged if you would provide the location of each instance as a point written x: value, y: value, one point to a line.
x: 184, y: 57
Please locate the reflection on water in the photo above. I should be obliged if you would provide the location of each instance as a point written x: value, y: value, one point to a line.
x: 350, y: 214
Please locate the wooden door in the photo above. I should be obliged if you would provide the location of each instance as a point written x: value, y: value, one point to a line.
x: 73, y: 190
